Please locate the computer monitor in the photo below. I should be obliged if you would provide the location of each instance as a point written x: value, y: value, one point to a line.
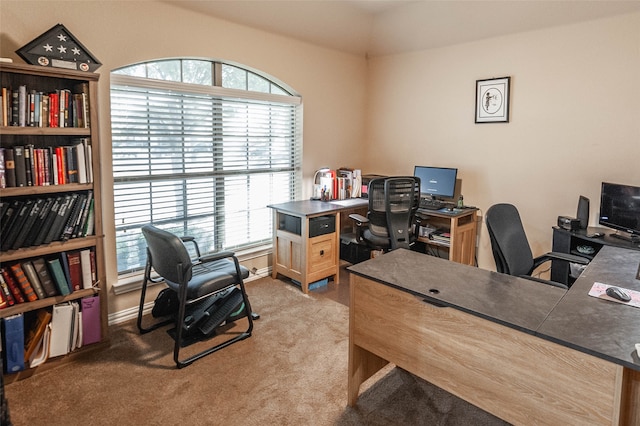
x: 436, y: 182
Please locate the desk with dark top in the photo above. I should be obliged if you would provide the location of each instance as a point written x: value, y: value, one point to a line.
x: 299, y: 252
x: 515, y: 348
x: 565, y: 241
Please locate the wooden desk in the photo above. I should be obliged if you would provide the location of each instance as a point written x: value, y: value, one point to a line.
x: 507, y: 345
x: 300, y: 254
x: 462, y: 226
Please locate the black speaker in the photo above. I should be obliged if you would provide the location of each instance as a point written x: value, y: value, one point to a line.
x: 583, y: 212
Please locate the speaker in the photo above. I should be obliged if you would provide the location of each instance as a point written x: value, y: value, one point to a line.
x: 583, y: 212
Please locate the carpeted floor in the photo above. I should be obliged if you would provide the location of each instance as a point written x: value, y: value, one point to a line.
x: 292, y: 371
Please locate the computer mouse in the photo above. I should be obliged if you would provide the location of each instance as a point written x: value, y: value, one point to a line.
x: 618, y: 293
x: 449, y: 209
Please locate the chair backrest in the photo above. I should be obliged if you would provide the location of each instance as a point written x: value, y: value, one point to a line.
x: 393, y: 202
x: 377, y: 213
x: 168, y: 255
x: 509, y: 243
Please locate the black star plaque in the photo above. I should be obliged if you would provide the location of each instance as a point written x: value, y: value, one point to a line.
x: 59, y: 48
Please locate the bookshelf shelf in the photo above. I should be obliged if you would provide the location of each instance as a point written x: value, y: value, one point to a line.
x: 48, y: 189
x: 84, y: 129
x: 45, y: 131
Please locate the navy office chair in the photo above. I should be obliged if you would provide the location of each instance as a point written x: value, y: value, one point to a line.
x: 209, y: 291
x: 511, y: 249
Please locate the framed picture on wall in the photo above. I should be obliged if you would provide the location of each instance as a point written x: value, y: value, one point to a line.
x: 492, y: 100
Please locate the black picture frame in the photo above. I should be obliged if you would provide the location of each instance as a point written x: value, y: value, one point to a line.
x: 492, y: 100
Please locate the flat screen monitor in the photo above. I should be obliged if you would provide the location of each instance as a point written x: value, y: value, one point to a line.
x: 436, y: 182
x: 620, y: 208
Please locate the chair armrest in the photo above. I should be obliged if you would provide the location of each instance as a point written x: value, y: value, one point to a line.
x: 566, y: 257
x: 216, y: 256
x: 360, y: 220
x: 192, y: 240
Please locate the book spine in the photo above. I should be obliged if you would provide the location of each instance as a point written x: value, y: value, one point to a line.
x: 58, y: 276
x: 32, y: 276
x: 75, y: 270
x: 22, y: 106
x: 9, y: 168
x: 15, y: 107
x: 85, y: 265
x: 6, y: 292
x: 45, y: 278
x: 13, y: 339
x: 3, y: 177
x: 13, y: 286
x: 21, y: 172
x: 23, y: 282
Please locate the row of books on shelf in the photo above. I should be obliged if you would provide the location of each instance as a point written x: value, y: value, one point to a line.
x: 27, y: 165
x: 26, y: 107
x: 43, y: 277
x: 41, y: 220
x: 31, y: 338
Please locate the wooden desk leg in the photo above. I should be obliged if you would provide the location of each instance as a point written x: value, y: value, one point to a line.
x: 362, y: 365
x: 628, y: 398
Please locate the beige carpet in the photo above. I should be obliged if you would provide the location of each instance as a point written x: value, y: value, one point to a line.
x: 292, y: 371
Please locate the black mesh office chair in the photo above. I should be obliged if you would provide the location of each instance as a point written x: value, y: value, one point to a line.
x: 393, y: 202
x: 511, y: 249
x: 209, y: 291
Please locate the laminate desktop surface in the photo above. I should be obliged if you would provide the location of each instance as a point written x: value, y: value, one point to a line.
x: 511, y: 301
x: 519, y: 349
x: 600, y: 327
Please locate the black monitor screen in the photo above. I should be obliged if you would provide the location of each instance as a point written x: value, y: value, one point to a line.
x: 437, y: 182
x: 620, y: 207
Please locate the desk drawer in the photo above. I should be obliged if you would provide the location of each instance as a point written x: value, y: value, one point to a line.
x: 322, y: 253
x: 322, y: 225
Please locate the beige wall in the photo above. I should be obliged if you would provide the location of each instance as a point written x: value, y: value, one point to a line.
x: 332, y: 84
x: 575, y: 119
x: 575, y: 102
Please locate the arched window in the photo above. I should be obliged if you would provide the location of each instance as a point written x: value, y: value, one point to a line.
x: 201, y: 148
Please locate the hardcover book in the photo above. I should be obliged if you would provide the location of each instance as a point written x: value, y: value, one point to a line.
x: 61, y: 327
x: 75, y: 270
x: 13, y: 347
x: 58, y: 276
x: 91, y: 330
x: 16, y: 294
x: 45, y: 277
x: 23, y: 282
x: 35, y: 332
x: 34, y: 279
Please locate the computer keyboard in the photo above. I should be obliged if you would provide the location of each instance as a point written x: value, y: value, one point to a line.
x: 431, y: 204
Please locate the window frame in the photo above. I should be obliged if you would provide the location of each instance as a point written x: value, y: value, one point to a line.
x: 119, y: 80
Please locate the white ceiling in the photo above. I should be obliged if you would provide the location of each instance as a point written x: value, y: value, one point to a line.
x: 376, y: 27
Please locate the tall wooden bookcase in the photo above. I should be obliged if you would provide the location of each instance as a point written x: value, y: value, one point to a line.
x: 46, y: 80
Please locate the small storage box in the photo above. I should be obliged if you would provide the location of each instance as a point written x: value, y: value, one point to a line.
x: 351, y: 251
x: 322, y: 225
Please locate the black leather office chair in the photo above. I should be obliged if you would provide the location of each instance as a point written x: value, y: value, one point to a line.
x: 511, y: 249
x: 209, y: 291
x: 393, y: 202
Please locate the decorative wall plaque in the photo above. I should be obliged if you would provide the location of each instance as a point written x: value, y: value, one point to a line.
x: 59, y: 48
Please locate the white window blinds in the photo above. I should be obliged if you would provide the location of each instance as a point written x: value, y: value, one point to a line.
x: 202, y: 161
